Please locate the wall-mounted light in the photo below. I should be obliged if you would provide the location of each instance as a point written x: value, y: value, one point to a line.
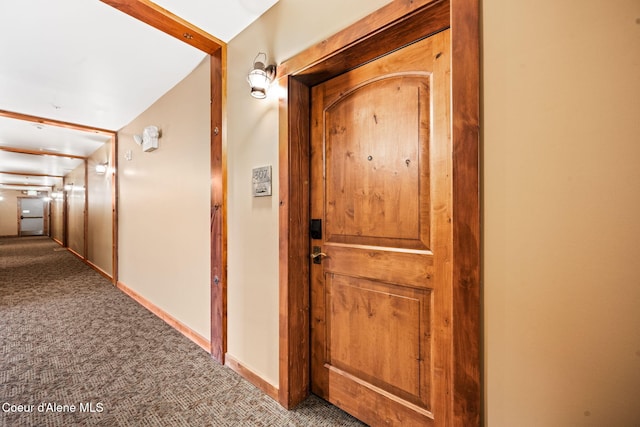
x: 149, y: 138
x: 101, y: 168
x: 261, y: 76
x: 68, y: 187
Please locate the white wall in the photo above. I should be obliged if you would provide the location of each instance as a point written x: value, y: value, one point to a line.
x: 164, y: 204
x: 283, y: 31
x: 561, y: 187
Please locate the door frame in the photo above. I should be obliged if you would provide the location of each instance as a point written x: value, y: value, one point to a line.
x: 170, y: 24
x: 391, y: 27
x: 45, y: 214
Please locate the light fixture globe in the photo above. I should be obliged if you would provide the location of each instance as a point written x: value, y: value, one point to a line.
x: 260, y: 77
x: 101, y: 168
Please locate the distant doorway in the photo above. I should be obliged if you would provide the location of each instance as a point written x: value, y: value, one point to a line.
x: 32, y: 216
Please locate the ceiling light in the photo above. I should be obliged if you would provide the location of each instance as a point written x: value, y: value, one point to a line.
x: 261, y: 76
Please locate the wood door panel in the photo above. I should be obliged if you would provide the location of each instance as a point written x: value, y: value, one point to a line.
x: 413, y: 269
x: 373, y: 404
x: 377, y: 169
x: 380, y: 333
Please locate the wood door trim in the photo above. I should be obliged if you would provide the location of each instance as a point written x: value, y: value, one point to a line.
x: 85, y: 213
x: 113, y: 160
x: 324, y: 58
x: 294, y: 155
x: 53, y: 122
x: 39, y: 153
x: 32, y: 174
x: 171, y: 24
x: 465, y: 100
x: 351, y: 47
x: 218, y: 210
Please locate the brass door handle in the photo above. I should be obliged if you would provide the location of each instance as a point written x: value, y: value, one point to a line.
x: 316, y: 256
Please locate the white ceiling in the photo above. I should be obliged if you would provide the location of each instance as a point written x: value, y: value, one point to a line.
x: 84, y: 62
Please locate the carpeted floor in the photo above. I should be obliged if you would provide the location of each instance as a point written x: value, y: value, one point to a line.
x: 77, y: 351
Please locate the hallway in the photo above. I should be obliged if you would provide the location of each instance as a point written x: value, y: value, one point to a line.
x: 77, y: 351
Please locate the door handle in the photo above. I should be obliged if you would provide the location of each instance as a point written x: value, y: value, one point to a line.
x: 317, y: 256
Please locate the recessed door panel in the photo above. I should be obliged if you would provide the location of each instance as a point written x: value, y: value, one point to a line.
x: 387, y: 340
x: 377, y: 172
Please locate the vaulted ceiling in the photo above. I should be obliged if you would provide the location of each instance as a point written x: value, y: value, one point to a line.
x: 85, y: 62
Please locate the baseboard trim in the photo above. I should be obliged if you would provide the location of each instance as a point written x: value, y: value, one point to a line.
x: 77, y: 254
x: 167, y: 318
x: 255, y: 379
x: 82, y: 258
x: 99, y: 270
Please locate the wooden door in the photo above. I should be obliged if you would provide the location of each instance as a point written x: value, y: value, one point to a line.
x: 381, y: 281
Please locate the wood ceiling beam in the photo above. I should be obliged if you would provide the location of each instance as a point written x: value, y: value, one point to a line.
x: 165, y: 21
x: 32, y: 174
x: 58, y: 123
x: 10, y: 184
x: 39, y: 153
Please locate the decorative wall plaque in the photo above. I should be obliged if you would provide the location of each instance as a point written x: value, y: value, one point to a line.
x: 262, y: 181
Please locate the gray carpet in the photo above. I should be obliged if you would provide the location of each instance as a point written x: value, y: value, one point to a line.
x: 77, y: 351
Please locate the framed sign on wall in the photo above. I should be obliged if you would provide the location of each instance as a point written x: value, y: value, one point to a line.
x: 261, y: 181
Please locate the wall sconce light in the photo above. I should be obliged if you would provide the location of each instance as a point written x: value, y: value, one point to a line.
x: 261, y: 76
x: 101, y: 168
x: 149, y: 138
x: 68, y: 187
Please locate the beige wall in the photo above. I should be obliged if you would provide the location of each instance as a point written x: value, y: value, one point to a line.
x: 561, y: 189
x: 286, y: 29
x: 100, y: 218
x: 76, y: 209
x: 164, y: 204
x: 9, y: 212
